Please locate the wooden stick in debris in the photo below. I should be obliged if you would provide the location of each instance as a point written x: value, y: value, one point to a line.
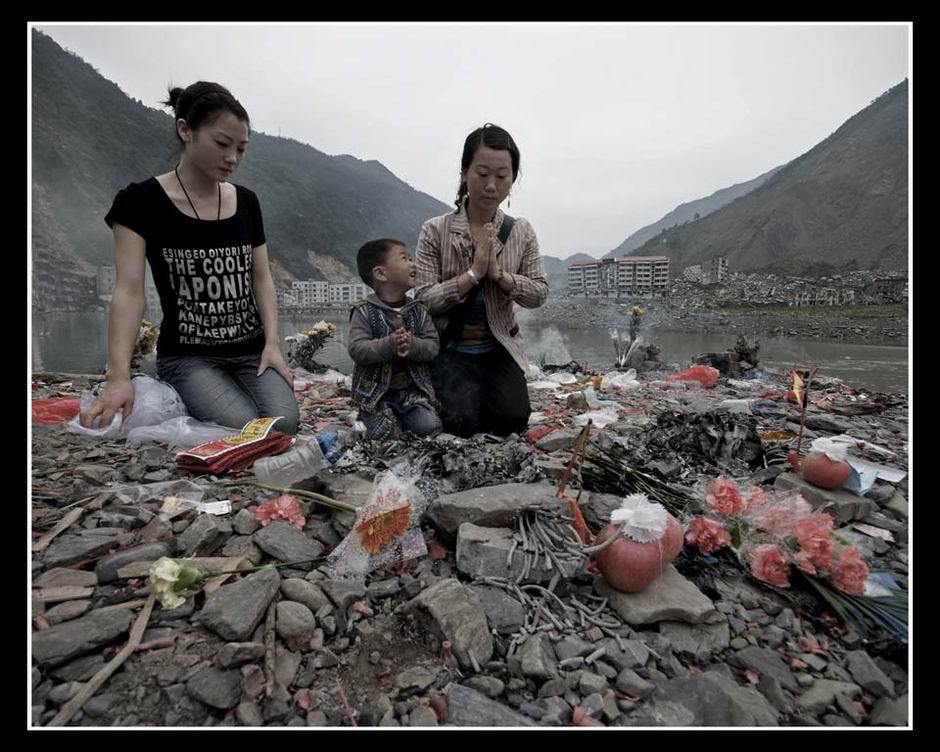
x: 66, y: 522
x: 76, y: 703
x: 269, y: 641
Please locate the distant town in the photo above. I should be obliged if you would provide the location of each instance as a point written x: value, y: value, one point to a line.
x: 622, y: 277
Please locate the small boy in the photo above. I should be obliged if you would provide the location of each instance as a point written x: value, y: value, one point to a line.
x: 391, y: 341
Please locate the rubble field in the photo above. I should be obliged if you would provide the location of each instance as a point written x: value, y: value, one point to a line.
x: 481, y: 631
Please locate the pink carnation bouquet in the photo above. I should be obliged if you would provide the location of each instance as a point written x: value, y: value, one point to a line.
x: 770, y: 532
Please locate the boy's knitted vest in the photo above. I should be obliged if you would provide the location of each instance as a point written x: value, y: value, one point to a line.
x: 370, y: 382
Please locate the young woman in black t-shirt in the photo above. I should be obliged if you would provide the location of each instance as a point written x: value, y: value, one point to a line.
x: 204, y: 240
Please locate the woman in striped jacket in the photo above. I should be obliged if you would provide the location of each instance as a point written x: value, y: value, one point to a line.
x: 473, y: 266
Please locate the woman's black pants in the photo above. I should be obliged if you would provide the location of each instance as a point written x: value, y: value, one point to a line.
x: 484, y: 393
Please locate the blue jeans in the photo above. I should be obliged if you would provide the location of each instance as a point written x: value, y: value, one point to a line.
x: 229, y: 392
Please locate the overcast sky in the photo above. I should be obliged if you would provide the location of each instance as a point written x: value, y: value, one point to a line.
x: 617, y: 123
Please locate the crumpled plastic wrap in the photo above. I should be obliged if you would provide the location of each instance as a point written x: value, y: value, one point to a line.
x: 183, y: 432
x: 386, y: 529
x: 623, y: 380
x: 154, y: 402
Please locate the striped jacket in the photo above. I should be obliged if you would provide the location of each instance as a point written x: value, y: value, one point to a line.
x: 444, y: 251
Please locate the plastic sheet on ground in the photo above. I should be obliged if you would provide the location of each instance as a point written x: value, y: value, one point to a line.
x: 623, y: 380
x: 184, y: 490
x: 601, y: 418
x: 562, y: 377
x: 544, y: 384
x: 184, y: 432
x: 704, y: 375
x: 154, y: 402
x: 386, y: 529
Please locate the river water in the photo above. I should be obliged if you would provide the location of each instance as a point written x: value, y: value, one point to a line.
x: 77, y: 343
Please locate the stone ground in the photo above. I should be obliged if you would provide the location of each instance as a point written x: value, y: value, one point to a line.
x: 450, y: 638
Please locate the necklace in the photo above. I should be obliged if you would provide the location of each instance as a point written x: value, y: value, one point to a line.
x: 185, y: 193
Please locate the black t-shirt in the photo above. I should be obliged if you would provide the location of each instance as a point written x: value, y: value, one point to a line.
x: 201, y: 268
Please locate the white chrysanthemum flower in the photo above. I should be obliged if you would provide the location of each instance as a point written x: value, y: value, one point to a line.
x: 645, y: 520
x: 290, y: 338
x: 614, y: 334
x: 167, y: 578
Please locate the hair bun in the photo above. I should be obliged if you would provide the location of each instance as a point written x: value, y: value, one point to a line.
x: 174, y: 99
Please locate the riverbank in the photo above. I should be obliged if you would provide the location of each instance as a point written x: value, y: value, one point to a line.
x: 881, y: 324
x: 449, y: 637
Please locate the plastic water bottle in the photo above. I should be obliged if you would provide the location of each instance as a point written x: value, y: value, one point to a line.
x: 293, y: 466
x: 330, y: 445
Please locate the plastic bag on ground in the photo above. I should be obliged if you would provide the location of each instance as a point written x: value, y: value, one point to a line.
x: 56, y: 410
x: 386, y: 530
x: 184, y: 432
x: 601, y: 418
x: 154, y: 402
x: 623, y: 380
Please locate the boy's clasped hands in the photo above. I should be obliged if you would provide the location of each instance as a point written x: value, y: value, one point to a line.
x: 402, y: 341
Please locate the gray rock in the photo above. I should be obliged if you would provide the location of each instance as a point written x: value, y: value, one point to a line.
x: 295, y: 624
x: 867, y: 674
x: 234, y: 654
x: 64, y: 692
x: 342, y: 593
x: 244, y: 522
x: 771, y: 689
x: 888, y: 712
x: 593, y: 704
x: 597, y: 509
x: 571, y: 646
x: 62, y: 577
x: 489, y: 506
x: 458, y: 615
x: 286, y: 665
x: 248, y: 713
x: 553, y: 688
x: 503, y: 613
x: 242, y: 546
x: 107, y: 569
x: 765, y: 662
x: 631, y: 683
x: 484, y: 551
x: 554, y: 711
x: 81, y: 669
x: 842, y: 506
x: 535, y: 659
x: 710, y: 700
x: 487, y: 685
x: 422, y: 717
x: 66, y: 611
x: 670, y: 597
x: 415, y: 677
x: 317, y: 718
x: 64, y: 641
x: 824, y: 692
x: 234, y: 611
x: 634, y: 653
x: 100, y: 705
x: 384, y: 588
x: 158, y: 529
x: 72, y: 549
x: 467, y: 707
x: 589, y: 683
x: 304, y: 592
x: 700, y: 641
x: 897, y: 507
x: 774, y: 636
x: 286, y: 543
x: 218, y: 689
x: 816, y: 662
x: 202, y: 537
x: 831, y: 719
x: 351, y: 488
x: 561, y: 439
